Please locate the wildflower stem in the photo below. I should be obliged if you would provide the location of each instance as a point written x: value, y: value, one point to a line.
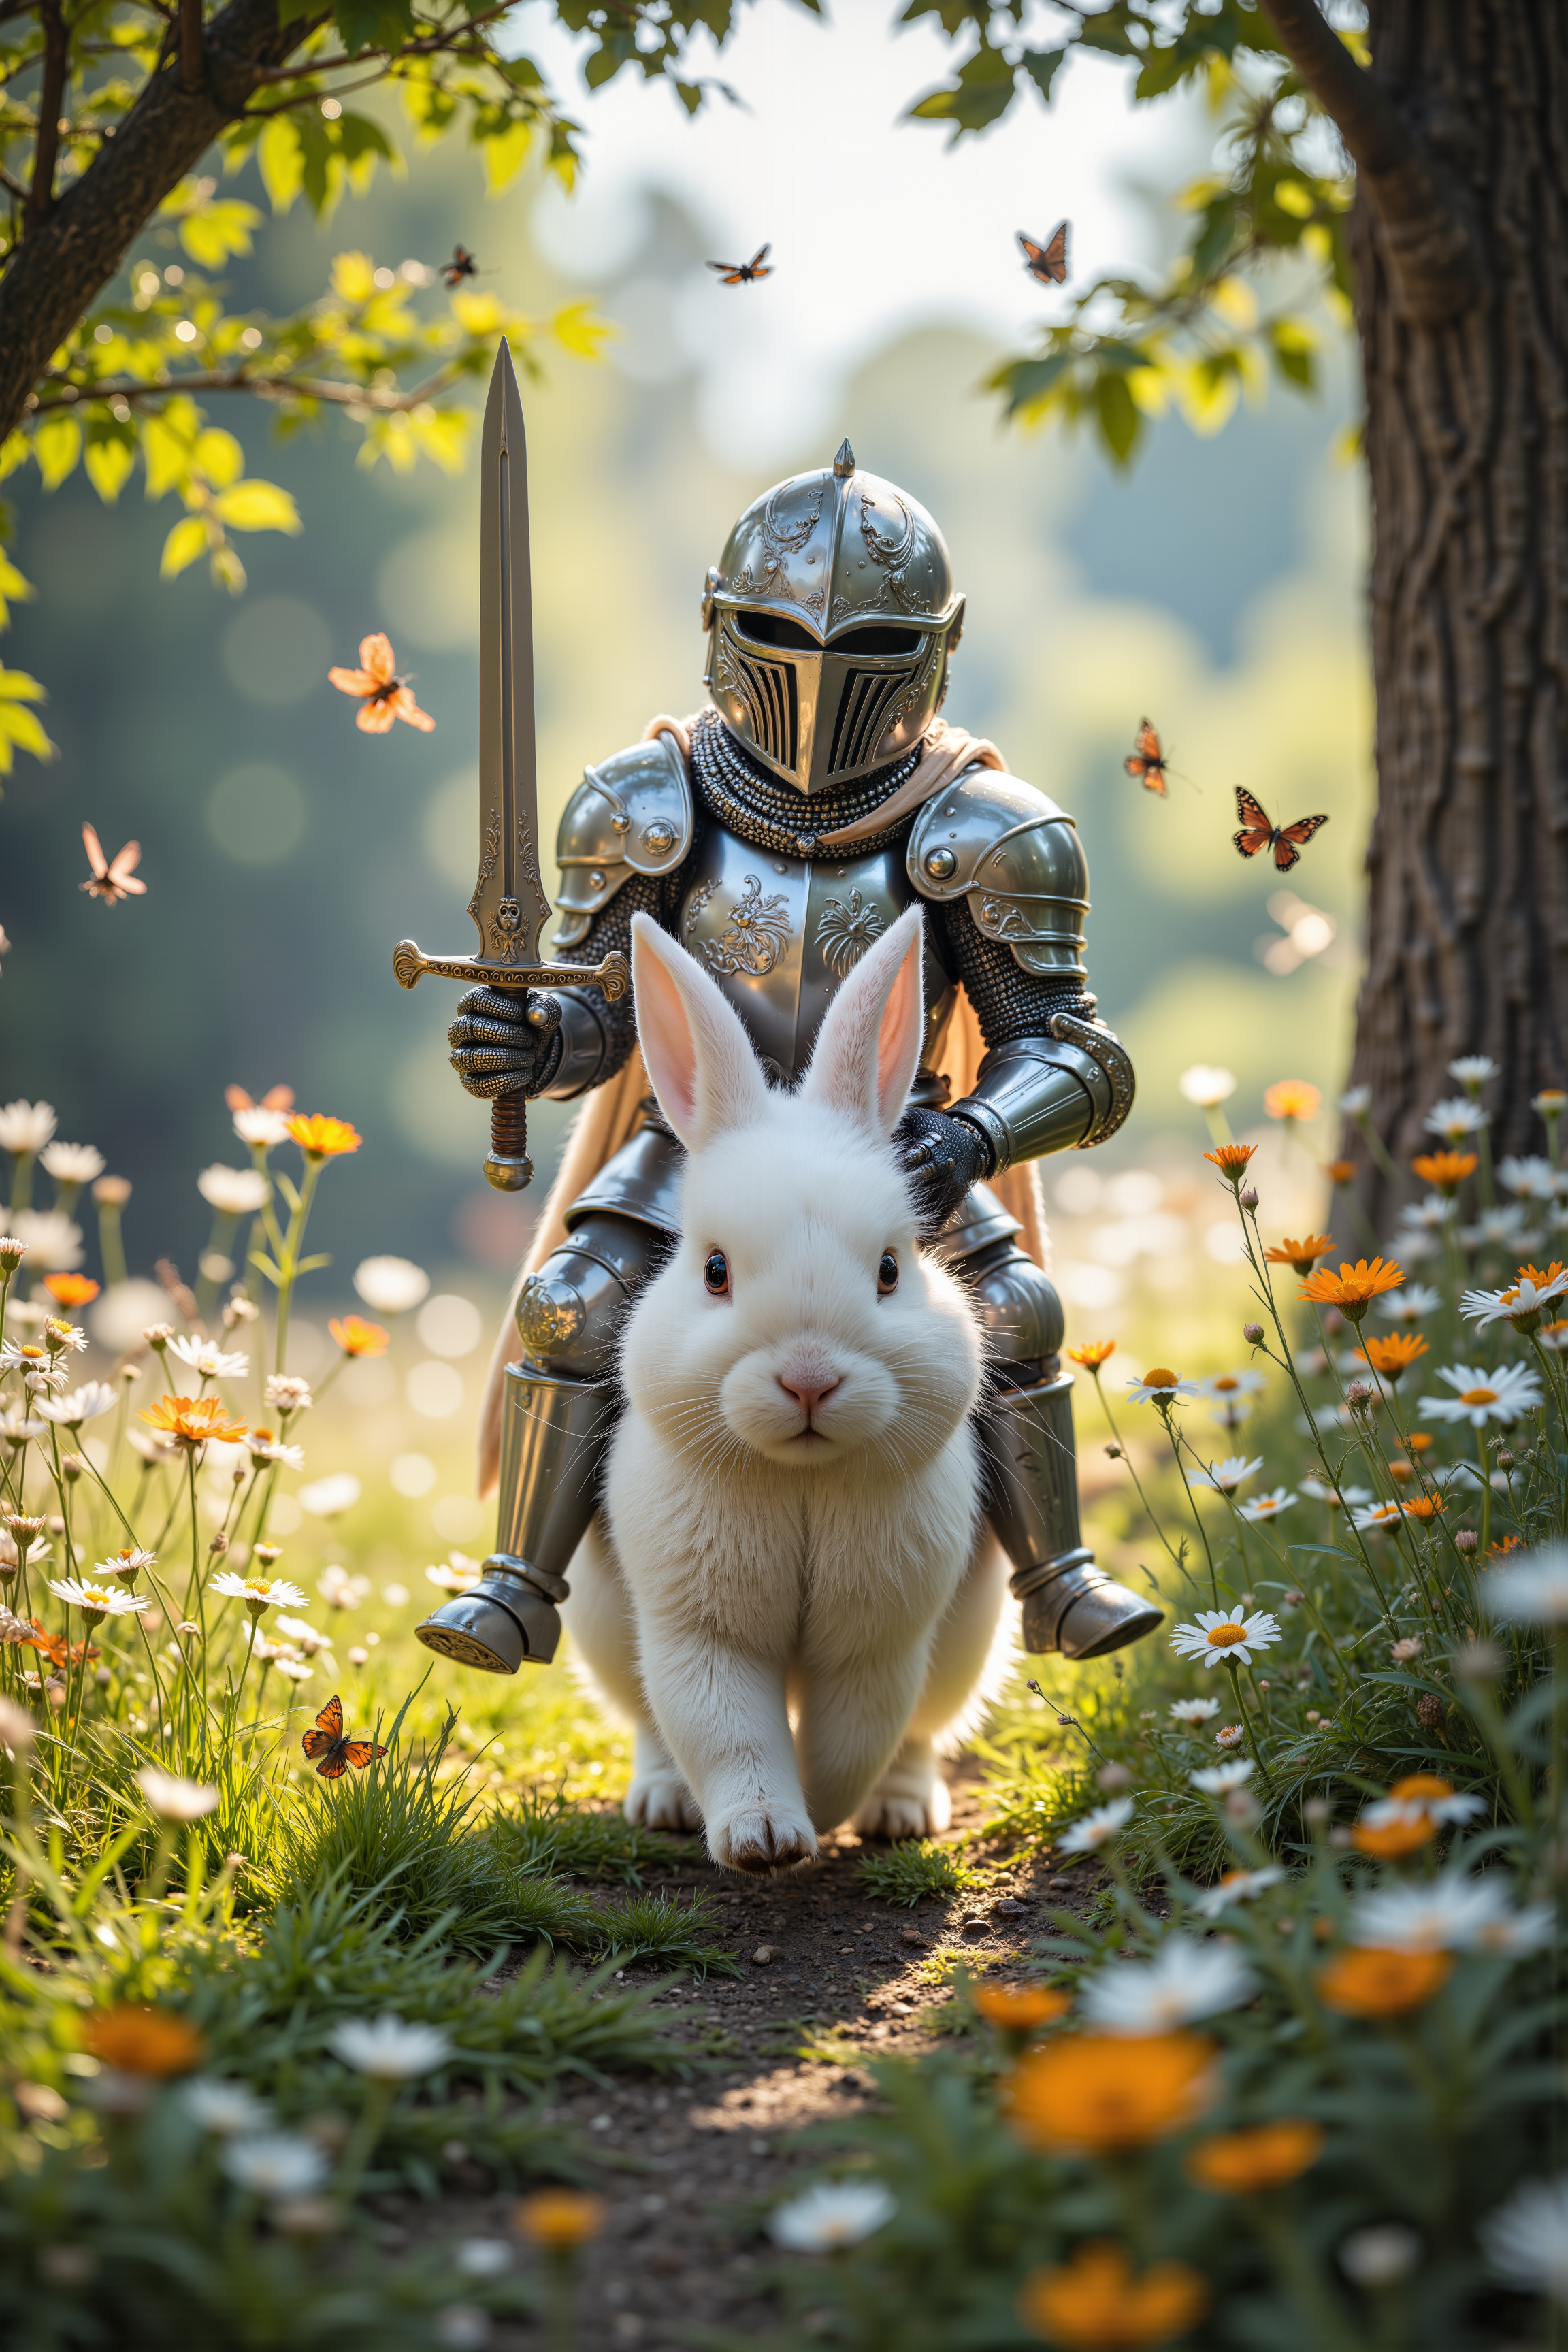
x: 1148, y: 1507
x: 362, y: 2139
x: 1376, y: 1145
x: 1164, y: 1412
x: 1253, y: 1741
x: 1307, y: 2289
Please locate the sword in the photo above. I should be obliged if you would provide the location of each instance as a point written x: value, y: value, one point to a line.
x: 509, y: 906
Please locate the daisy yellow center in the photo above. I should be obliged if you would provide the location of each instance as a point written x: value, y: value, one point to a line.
x: 33, y: 1355
x: 91, y: 1598
x: 1478, y: 1396
x: 1225, y: 1382
x: 1224, y: 1637
x: 1162, y: 1377
x: 258, y: 1585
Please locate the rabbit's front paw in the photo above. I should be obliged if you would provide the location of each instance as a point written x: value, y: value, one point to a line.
x: 660, y: 1799
x: 761, y: 1838
x: 906, y: 1802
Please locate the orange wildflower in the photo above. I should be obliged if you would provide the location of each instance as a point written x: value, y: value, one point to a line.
x: 1093, y: 2093
x: 1393, y: 1357
x: 1302, y: 1256
x: 1418, y: 1442
x: 356, y: 1336
x: 1092, y: 1354
x: 1291, y: 1098
x: 139, y: 2040
x: 1340, y: 1172
x: 194, y: 1421
x: 56, y: 1648
x: 1231, y: 1159
x: 560, y: 2218
x: 1542, y: 1280
x: 1019, y: 2009
x: 1501, y: 1550
x: 1425, y: 1506
x: 1097, y: 2302
x: 1445, y: 1169
x: 1369, y: 1982
x: 71, y: 1289
x: 1391, y: 1841
x: 1239, y: 2163
x: 1354, y: 1288
x: 321, y: 1138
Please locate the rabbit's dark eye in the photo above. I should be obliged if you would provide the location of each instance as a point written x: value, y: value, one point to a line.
x: 887, y: 1274
x: 716, y: 1274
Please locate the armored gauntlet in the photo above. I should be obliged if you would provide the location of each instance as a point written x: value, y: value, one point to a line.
x: 505, y: 1041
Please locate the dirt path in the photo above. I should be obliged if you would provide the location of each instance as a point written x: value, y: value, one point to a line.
x: 692, y: 2167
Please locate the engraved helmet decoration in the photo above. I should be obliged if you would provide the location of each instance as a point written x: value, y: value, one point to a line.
x: 830, y: 620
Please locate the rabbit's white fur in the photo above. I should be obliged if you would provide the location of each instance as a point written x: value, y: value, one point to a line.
x: 788, y: 1590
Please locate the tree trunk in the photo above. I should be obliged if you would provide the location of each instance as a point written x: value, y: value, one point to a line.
x: 74, y: 247
x: 1466, y: 443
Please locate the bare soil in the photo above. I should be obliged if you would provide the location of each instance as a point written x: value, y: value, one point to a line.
x: 690, y: 2168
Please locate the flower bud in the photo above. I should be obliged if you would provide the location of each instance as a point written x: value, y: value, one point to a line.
x: 219, y: 1543
x: 1253, y: 1334
x: 1114, y: 1452
x: 1248, y: 1196
x: 267, y: 1553
x: 1504, y: 1459
x: 1358, y: 1396
x: 12, y: 1253
x: 72, y: 1467
x: 1315, y: 1812
x: 1467, y: 1542
x: 1429, y: 1710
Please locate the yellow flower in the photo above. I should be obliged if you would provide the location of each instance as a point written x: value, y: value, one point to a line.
x: 1302, y: 1256
x: 137, y: 2040
x: 1445, y: 1169
x: 1019, y: 2009
x: 194, y: 1421
x: 356, y: 1336
x: 560, y: 2218
x: 321, y: 1138
x: 1393, y: 1357
x: 1354, y: 1288
x: 1092, y: 1354
x: 1093, y: 2093
x: 1239, y: 2163
x: 1097, y: 2303
x: 1291, y: 1098
x: 1367, y: 1982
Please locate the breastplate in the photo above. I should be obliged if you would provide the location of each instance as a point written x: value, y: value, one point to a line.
x: 780, y: 934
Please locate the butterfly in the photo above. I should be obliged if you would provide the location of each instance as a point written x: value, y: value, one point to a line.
x: 337, y: 1753
x: 1146, y: 760
x: 275, y: 1098
x: 462, y: 264
x: 383, y: 695
x: 110, y: 881
x: 741, y: 273
x: 1286, y: 841
x: 1047, y: 262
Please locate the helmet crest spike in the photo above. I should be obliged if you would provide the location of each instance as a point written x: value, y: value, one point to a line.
x: 844, y: 464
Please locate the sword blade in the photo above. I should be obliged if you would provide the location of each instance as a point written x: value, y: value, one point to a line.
x: 509, y: 906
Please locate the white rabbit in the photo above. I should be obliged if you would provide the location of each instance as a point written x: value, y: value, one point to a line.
x: 791, y: 1513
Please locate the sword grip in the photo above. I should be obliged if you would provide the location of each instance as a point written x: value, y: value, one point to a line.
x: 509, y: 1167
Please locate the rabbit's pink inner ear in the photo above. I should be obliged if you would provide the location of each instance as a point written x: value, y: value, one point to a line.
x: 694, y: 1049
x: 664, y: 1031
x: 898, y: 1038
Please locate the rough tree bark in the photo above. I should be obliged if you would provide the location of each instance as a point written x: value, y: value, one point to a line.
x: 1467, y: 441
x: 73, y: 247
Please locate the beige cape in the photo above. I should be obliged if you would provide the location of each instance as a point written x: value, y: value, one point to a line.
x: 611, y: 1114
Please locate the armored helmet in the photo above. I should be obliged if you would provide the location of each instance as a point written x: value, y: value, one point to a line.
x: 830, y: 619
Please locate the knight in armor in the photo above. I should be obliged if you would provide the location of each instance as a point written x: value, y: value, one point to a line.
x: 776, y: 835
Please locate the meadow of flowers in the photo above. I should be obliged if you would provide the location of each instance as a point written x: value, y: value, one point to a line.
x: 1286, y: 2079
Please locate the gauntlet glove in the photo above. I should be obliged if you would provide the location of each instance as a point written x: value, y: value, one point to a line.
x: 943, y: 1157
x: 506, y: 1040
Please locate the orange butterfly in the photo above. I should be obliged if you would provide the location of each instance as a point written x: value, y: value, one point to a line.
x: 383, y: 695
x: 107, y: 881
x: 462, y: 264
x: 1258, y: 832
x: 337, y: 1753
x: 1047, y: 262
x: 744, y: 273
x: 275, y: 1098
x: 1147, y: 760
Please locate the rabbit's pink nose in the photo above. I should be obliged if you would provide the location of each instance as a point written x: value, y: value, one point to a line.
x: 807, y: 1397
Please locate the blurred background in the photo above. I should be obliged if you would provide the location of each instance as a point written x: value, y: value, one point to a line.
x: 1217, y: 589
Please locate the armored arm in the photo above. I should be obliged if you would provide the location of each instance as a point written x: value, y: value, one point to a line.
x: 1007, y: 869
x: 626, y: 835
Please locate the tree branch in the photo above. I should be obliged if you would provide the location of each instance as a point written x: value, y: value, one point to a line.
x: 376, y: 397
x: 1434, y: 255
x: 51, y: 98
x: 191, y: 54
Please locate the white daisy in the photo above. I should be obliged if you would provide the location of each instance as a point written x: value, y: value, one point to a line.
x: 391, y: 1284
x: 1218, y: 1634
x: 97, y: 1600
x: 261, y: 1447
x: 275, y: 2163
x: 52, y: 1240
x: 1455, y: 1119
x: 286, y: 1393
x: 328, y: 1497
x: 1219, y: 1779
x: 1268, y: 1507
x: 173, y: 1798
x: 1221, y: 1387
x: 234, y: 1192
x: 456, y: 1575
x: 835, y: 2213
x: 1355, y: 1101
x: 1429, y: 1216
x: 257, y: 1592
x: 1160, y: 1385
x: 1097, y: 1829
x: 1494, y: 1228
x: 1473, y: 1070
x: 1516, y: 1304
x: 256, y: 1126
x: 390, y: 2049
x: 483, y: 2257
x: 1414, y: 1807
x: 86, y: 1404
x: 295, y: 1628
x: 1482, y: 1396
x: 1532, y: 1590
x: 1379, y: 1520
x: 227, y: 2110
x: 1409, y: 1304
x: 26, y: 1127
x: 295, y: 1669
x: 1194, y: 1710
x: 1526, y: 2241
x: 1455, y: 1913
x: 211, y: 1362
x: 1185, y: 1980
x: 1227, y: 1476
x: 1318, y: 1490
x: 1531, y: 1176
x: 1236, y: 1887
x: 1207, y: 1087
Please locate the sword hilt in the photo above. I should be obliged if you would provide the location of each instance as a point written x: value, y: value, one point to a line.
x: 509, y: 1167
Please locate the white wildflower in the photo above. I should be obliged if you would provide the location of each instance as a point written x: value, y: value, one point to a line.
x: 275, y: 2163
x: 52, y: 1241
x: 1455, y: 1913
x: 1219, y: 1779
x: 1482, y: 1396
x: 390, y: 2049
x: 391, y: 1286
x: 1194, y: 1710
x: 327, y: 1497
x: 1532, y: 1588
x: 1225, y: 1476
x: 173, y: 1798
x: 1185, y: 1980
x: 1268, y: 1507
x: 1160, y: 1386
x: 1230, y: 1635
x: 1530, y: 1175
x: 257, y: 1592
x: 1207, y: 1087
x: 205, y: 1357
x: 1473, y: 1070
x: 26, y: 1127
x: 234, y: 1192
x: 1236, y: 1887
x: 97, y: 1600
x: 1526, y: 2240
x: 256, y: 1126
x: 1097, y: 1829
x: 1411, y: 1304
x: 835, y: 2213
x: 93, y: 1398
x: 72, y: 1163
x: 227, y: 2110
x: 1355, y: 1101
x: 1455, y: 1119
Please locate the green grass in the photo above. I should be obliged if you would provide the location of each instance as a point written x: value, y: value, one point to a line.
x: 545, y: 1831
x: 910, y: 1872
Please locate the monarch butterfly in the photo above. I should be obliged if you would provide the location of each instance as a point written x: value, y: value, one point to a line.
x: 337, y: 1753
x: 743, y: 273
x: 1047, y: 262
x: 383, y: 695
x: 1146, y: 760
x: 275, y: 1098
x: 462, y: 264
x: 1258, y: 832
x: 111, y: 880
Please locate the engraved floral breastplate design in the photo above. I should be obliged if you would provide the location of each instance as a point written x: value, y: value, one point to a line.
x: 753, y: 937
x: 844, y: 929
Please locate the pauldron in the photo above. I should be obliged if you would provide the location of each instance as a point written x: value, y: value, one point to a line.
x: 1016, y: 858
x: 632, y: 813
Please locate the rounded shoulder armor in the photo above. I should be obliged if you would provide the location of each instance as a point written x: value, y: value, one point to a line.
x: 632, y: 813
x: 1016, y: 858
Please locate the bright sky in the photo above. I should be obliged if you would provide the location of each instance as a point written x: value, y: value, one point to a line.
x: 875, y: 226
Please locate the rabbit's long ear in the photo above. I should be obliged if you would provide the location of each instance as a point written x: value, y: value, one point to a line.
x: 869, y: 1047
x: 697, y: 1053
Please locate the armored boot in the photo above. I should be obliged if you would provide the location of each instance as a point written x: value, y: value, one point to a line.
x: 560, y: 1408
x: 1031, y: 1462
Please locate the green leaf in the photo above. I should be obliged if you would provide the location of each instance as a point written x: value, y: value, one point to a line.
x: 264, y: 1265
x: 57, y: 445
x: 185, y: 544
x: 1120, y: 423
x: 258, y: 506
x: 218, y: 230
x: 1041, y: 66
x: 280, y: 158
x: 14, y: 590
x: 219, y: 456
x: 310, y: 1265
x: 20, y: 731
x: 109, y: 462
x: 504, y: 152
x: 374, y: 24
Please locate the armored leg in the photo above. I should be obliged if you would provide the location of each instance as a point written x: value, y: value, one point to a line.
x: 560, y: 1408
x: 1031, y: 1462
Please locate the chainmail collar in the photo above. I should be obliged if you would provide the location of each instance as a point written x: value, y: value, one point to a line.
x: 760, y: 809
